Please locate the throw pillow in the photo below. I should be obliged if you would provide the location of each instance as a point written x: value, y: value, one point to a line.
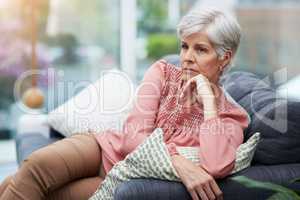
x: 102, y: 105
x: 152, y: 160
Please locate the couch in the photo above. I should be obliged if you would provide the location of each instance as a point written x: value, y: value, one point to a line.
x: 276, y: 160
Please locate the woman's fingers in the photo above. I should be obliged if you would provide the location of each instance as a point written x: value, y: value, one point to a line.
x: 194, y: 195
x: 202, y: 193
x: 205, y: 192
x: 187, y: 85
x: 209, y: 192
x: 200, y: 83
x: 197, y: 181
x: 216, y: 190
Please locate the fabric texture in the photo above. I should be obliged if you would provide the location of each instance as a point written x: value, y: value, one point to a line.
x: 149, y: 160
x: 245, y: 153
x: 276, y: 118
x: 101, y: 105
x: 280, y: 128
x: 159, y: 105
x: 154, y: 189
x: 152, y: 160
x: 67, y: 169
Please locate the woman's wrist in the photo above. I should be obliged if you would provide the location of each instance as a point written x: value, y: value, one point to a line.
x: 209, y: 101
x: 172, y: 149
x: 174, y: 159
x: 209, y: 108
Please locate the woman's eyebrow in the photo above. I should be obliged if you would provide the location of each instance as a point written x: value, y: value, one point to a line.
x: 202, y: 45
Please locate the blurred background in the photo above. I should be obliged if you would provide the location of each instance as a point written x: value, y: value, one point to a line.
x: 76, y: 40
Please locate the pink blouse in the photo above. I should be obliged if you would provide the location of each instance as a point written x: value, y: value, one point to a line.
x: 157, y: 106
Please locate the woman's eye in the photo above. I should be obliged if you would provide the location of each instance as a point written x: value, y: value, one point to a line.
x: 184, y: 46
x: 201, y: 50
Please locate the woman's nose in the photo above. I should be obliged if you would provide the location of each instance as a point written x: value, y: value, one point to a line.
x: 189, y: 56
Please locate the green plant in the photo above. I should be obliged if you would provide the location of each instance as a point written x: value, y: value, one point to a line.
x: 153, y: 15
x: 282, y: 193
x: 69, y: 44
x: 162, y: 44
x: 6, y: 91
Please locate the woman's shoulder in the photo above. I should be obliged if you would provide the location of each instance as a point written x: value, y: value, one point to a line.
x: 169, y: 71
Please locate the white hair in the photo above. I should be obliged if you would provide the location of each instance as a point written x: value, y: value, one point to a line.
x: 222, y: 29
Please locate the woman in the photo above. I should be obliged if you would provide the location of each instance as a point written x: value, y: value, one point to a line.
x: 187, y: 103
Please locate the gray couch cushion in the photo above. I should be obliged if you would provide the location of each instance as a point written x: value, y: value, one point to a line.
x: 277, y: 119
x: 151, y: 189
x: 28, y: 143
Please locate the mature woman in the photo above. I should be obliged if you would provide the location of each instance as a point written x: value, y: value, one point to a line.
x: 187, y: 103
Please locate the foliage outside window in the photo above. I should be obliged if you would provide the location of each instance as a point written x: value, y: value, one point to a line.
x: 160, y: 45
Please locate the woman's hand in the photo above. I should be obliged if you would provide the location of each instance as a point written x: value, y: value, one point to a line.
x: 202, y: 85
x: 197, y: 181
x: 206, y: 93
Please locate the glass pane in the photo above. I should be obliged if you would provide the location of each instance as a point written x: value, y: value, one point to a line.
x: 83, y: 38
x: 270, y: 39
x: 156, y: 33
x: 187, y: 5
x: 76, y: 40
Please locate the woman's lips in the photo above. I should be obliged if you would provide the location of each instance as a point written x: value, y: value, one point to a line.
x: 189, y: 70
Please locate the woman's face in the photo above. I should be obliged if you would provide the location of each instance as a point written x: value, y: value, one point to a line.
x: 198, y: 56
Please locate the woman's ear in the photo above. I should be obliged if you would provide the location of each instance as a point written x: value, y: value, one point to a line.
x: 226, y: 58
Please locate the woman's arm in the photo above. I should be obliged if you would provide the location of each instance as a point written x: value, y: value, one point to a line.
x: 220, y: 135
x: 141, y: 120
x: 221, y: 132
x: 196, y: 179
x: 219, y: 139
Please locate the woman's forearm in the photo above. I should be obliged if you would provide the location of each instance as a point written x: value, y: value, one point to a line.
x: 207, y: 96
x: 209, y: 107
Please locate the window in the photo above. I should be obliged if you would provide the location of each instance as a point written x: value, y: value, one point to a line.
x: 75, y: 42
x: 156, y: 30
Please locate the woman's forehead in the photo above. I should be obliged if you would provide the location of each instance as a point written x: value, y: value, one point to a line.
x: 199, y: 38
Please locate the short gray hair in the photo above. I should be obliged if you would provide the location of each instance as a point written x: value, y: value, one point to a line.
x: 222, y: 29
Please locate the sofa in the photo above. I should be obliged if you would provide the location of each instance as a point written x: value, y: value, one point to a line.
x: 276, y: 160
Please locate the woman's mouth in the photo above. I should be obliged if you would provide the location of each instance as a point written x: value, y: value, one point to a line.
x: 188, y: 73
x: 188, y: 70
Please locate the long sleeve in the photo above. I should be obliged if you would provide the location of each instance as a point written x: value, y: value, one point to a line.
x: 172, y: 149
x: 141, y: 120
x: 219, y: 139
